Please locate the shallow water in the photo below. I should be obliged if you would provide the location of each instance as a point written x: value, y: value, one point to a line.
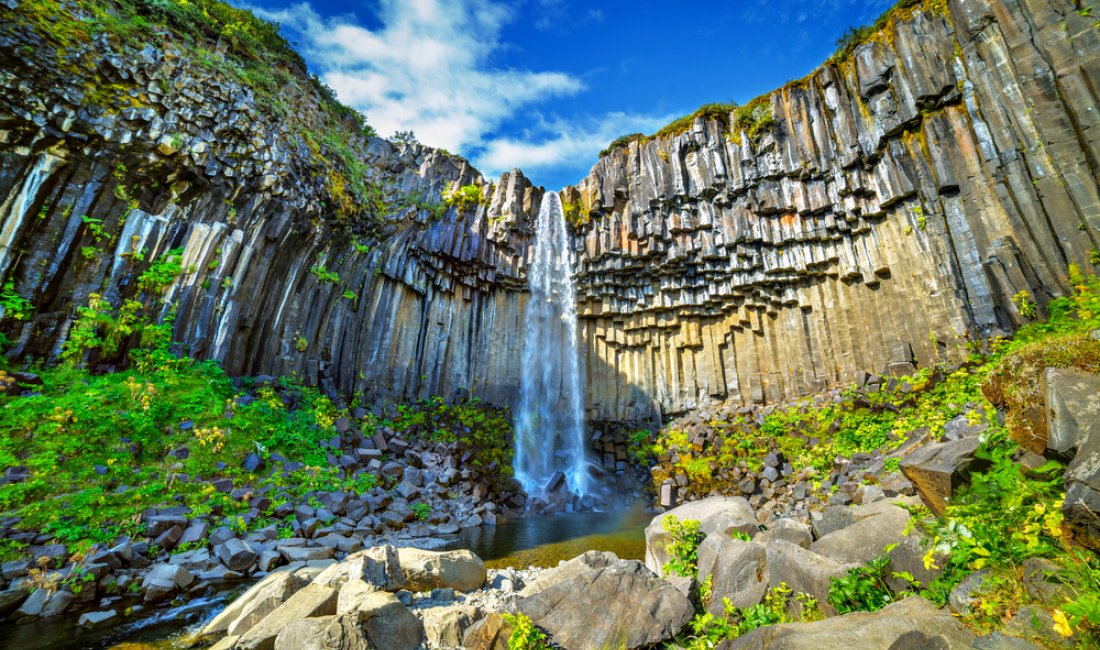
x: 544, y: 541
x: 533, y: 541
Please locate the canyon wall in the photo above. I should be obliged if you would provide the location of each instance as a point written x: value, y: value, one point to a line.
x: 902, y: 198
x: 110, y: 159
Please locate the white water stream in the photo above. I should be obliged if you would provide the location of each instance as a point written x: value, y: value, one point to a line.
x: 550, y: 422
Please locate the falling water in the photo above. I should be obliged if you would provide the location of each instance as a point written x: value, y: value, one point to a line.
x: 550, y: 425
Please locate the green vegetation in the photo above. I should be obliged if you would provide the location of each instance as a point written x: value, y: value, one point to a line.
x: 525, y: 636
x: 683, y: 545
x: 754, y: 119
x: 708, y: 630
x: 14, y: 305
x: 856, y: 36
x: 718, y: 112
x: 324, y: 275
x: 863, y: 589
x: 86, y: 433
x: 421, y: 510
x: 464, y: 198
x: 623, y: 141
x: 575, y: 214
x: 483, y: 431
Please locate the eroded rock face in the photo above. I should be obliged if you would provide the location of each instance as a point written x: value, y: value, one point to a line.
x: 714, y: 514
x: 621, y: 605
x: 911, y: 623
x: 901, y: 199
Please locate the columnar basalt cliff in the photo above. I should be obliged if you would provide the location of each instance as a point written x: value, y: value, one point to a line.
x: 898, y: 201
x: 110, y: 162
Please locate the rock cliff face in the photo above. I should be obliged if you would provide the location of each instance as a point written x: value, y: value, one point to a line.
x: 109, y: 165
x: 901, y: 200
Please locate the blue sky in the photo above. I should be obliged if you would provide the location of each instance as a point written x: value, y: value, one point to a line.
x: 544, y: 85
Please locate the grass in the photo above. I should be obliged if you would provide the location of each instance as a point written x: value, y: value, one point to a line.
x: 101, y: 448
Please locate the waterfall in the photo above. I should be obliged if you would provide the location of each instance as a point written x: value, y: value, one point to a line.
x: 550, y: 423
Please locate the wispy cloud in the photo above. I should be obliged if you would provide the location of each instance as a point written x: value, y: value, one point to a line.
x: 426, y: 68
x: 761, y: 11
x: 552, y: 144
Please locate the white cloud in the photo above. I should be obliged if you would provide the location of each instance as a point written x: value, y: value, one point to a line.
x: 555, y: 143
x: 426, y: 68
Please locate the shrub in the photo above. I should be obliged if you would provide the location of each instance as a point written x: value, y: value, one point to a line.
x: 683, y: 545
x: 525, y: 636
x: 463, y: 198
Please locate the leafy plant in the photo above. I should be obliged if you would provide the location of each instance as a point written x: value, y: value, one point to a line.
x: 863, y: 589
x: 421, y: 510
x: 525, y: 635
x: 14, y: 305
x: 463, y: 198
x: 682, y: 546
x: 324, y: 275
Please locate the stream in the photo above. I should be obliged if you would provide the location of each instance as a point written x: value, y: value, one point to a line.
x: 531, y: 541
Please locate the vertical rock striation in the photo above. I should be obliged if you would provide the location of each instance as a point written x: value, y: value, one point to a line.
x: 900, y: 200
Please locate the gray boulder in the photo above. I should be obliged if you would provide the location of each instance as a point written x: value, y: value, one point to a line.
x: 252, y: 606
x: 621, y: 605
x: 865, y: 539
x: 802, y: 570
x: 378, y: 566
x: 304, y: 634
x: 444, y: 627
x: 490, y: 633
x: 308, y: 602
x: 1073, y: 422
x: 236, y: 555
x: 426, y: 570
x: 381, y: 621
x: 788, y: 530
x: 911, y: 624
x: 938, y: 469
x: 738, y: 570
x: 714, y: 514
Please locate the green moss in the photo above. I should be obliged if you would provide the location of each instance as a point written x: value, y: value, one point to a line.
x: 717, y: 112
x: 575, y: 214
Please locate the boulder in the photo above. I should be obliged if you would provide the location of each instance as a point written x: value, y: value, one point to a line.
x: 738, y: 570
x: 236, y: 555
x: 426, y: 570
x: 890, y: 628
x: 938, y: 469
x: 94, y: 619
x: 378, y: 566
x: 308, y: 602
x: 967, y: 592
x: 253, y: 605
x: 304, y: 634
x: 381, y: 621
x: 714, y: 514
x: 908, y: 557
x: 444, y: 627
x: 44, y: 602
x: 11, y: 599
x: 802, y: 570
x: 1073, y: 421
x: 621, y: 605
x: 1036, y: 624
x: 864, y: 540
x: 788, y: 530
x: 490, y: 633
